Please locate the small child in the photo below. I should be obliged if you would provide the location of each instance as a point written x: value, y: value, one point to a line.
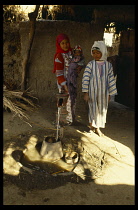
x: 76, y: 64
x: 98, y: 84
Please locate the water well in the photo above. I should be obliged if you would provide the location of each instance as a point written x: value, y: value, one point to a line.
x: 54, y: 161
x: 48, y: 155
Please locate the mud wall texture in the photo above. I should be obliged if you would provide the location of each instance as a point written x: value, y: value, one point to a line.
x: 12, y: 67
x: 40, y: 78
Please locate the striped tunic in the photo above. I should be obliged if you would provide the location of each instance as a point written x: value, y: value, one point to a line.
x: 98, y: 86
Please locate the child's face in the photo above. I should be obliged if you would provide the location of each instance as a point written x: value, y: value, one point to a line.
x: 77, y: 52
x: 64, y: 44
x: 96, y: 55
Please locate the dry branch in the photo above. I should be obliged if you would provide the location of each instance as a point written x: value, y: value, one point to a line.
x: 19, y: 102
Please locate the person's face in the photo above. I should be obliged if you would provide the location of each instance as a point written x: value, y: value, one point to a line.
x: 64, y: 44
x: 96, y: 55
x: 77, y: 52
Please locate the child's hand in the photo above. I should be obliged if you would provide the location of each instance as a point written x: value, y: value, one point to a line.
x: 65, y: 88
x: 109, y: 97
x: 86, y: 97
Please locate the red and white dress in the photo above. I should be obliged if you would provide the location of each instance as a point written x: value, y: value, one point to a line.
x: 62, y: 61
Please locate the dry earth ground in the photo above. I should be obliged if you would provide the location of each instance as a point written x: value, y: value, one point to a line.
x: 113, y: 182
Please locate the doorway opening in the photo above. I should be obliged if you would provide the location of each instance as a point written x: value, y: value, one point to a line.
x: 111, y: 38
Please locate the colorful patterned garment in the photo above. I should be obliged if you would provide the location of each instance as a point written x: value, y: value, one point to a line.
x: 72, y: 77
x: 62, y: 61
x: 99, y: 84
x: 72, y: 71
x: 59, y: 50
x: 61, y: 64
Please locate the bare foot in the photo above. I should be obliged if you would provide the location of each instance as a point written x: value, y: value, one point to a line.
x: 92, y: 128
x: 97, y: 131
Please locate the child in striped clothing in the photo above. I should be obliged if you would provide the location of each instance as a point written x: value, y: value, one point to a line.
x: 98, y: 84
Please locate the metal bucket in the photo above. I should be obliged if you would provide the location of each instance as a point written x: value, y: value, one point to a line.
x: 51, y: 149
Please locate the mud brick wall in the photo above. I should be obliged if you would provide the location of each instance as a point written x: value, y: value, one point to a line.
x: 12, y: 67
x: 40, y: 78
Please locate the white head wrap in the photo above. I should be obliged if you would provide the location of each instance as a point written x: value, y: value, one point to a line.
x: 100, y: 46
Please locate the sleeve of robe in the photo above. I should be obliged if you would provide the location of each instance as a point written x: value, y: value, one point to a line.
x: 59, y: 61
x: 86, y: 78
x: 112, y: 82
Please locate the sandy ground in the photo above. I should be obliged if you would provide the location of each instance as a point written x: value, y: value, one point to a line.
x: 114, y: 184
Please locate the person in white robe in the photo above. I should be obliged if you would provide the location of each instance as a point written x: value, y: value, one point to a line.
x: 98, y: 84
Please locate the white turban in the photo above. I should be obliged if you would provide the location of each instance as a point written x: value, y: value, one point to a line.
x: 100, y: 46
